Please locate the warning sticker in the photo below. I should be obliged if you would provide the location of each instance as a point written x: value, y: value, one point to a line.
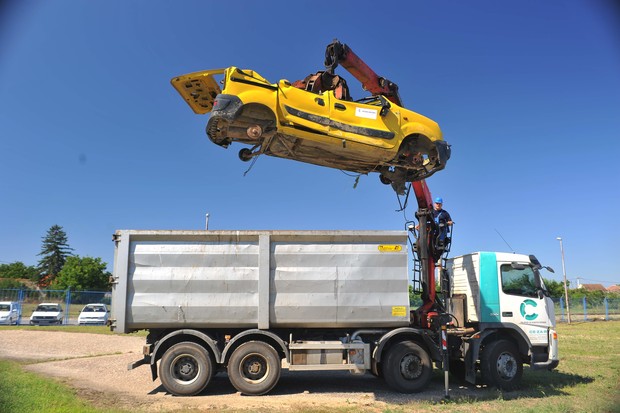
x: 390, y: 248
x: 366, y: 113
x: 399, y: 311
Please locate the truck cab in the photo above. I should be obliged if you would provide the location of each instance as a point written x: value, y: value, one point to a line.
x: 502, y: 297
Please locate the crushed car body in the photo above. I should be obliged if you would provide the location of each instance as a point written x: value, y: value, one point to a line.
x: 317, y: 125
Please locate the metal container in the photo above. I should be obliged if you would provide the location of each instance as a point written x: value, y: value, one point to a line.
x: 259, y: 279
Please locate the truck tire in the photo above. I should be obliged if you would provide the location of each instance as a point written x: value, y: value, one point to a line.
x: 185, y: 369
x: 407, y: 367
x: 501, y: 365
x: 254, y: 368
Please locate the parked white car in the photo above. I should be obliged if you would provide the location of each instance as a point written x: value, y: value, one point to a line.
x: 9, y: 312
x: 47, y: 314
x: 93, y: 314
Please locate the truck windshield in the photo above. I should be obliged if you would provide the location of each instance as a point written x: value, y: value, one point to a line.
x: 519, y: 281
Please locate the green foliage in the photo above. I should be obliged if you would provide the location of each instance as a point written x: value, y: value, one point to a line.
x: 593, y: 298
x: 54, y: 253
x: 83, y: 273
x: 10, y: 283
x: 18, y: 269
x: 414, y: 298
x: 555, y: 288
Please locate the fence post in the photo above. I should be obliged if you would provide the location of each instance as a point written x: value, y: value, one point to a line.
x: 20, y: 307
x: 67, y: 305
x: 606, y: 309
x: 562, y: 308
x: 585, y: 310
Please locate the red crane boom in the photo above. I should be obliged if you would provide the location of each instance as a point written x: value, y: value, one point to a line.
x: 336, y: 54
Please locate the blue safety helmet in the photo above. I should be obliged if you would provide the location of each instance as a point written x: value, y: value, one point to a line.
x: 439, y: 200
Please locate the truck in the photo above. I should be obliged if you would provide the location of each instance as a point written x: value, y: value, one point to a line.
x: 254, y: 302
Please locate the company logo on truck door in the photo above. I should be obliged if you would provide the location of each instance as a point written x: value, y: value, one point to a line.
x: 527, y: 311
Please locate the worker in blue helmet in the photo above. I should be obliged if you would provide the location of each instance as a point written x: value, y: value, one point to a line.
x: 443, y: 221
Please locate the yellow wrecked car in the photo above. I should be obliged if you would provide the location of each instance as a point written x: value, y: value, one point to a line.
x: 328, y: 128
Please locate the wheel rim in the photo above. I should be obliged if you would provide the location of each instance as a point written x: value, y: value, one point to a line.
x: 411, y: 367
x: 506, y: 366
x: 254, y: 368
x: 184, y: 369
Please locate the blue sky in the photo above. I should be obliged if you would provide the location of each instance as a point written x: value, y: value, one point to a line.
x: 94, y: 138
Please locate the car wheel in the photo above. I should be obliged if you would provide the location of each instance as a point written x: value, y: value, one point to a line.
x: 186, y: 369
x: 254, y: 368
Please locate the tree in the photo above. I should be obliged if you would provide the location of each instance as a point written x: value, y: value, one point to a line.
x: 18, y: 269
x: 54, y: 252
x: 83, y: 273
x: 555, y: 288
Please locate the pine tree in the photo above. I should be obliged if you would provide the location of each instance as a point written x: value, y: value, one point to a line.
x: 54, y: 253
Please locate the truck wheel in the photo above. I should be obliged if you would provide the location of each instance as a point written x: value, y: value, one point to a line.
x: 407, y: 367
x: 185, y: 369
x: 501, y: 365
x: 254, y: 368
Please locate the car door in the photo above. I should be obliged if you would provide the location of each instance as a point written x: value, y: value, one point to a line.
x: 303, y: 109
x: 372, y: 122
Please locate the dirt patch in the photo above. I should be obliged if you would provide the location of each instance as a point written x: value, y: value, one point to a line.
x: 96, y: 365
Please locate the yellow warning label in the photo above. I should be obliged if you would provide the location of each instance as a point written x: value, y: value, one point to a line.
x: 390, y: 248
x: 399, y: 311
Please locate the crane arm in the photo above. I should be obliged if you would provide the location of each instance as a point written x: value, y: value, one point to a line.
x: 338, y: 53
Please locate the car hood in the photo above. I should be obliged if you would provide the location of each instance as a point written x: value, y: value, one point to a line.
x: 4, y: 313
x: 92, y: 315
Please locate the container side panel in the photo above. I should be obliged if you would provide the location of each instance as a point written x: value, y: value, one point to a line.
x: 336, y: 282
x: 192, y: 284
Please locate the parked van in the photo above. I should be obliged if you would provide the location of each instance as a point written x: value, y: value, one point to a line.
x: 9, y: 312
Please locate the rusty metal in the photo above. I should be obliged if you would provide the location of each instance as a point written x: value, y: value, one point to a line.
x: 254, y: 131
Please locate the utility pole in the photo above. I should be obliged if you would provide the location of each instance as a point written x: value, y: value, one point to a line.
x: 565, y: 285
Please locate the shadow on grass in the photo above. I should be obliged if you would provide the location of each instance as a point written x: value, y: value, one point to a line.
x: 535, y: 384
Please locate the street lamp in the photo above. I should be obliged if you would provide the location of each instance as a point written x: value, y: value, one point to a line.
x: 565, y: 286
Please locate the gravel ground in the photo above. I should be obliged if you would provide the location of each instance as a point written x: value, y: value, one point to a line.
x: 96, y: 365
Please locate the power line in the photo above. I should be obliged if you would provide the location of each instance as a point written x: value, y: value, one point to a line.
x: 598, y: 281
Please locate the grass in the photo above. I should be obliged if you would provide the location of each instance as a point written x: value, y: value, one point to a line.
x: 587, y: 380
x: 72, y: 329
x: 21, y: 391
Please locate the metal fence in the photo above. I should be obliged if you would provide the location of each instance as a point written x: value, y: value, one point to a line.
x: 71, y: 301
x: 584, y: 309
x: 581, y: 309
